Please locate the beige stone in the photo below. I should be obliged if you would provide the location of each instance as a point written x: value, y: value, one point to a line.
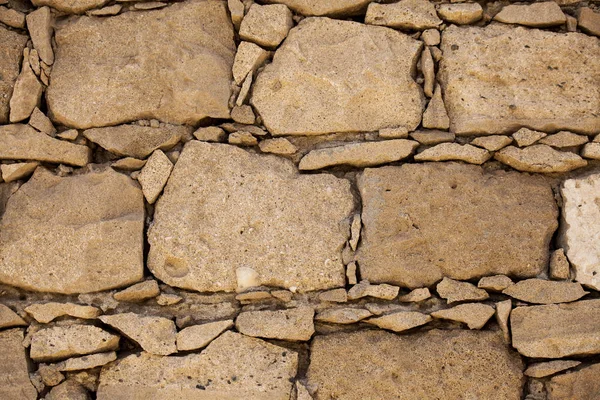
x: 240, y: 223
x: 156, y: 335
x: 70, y: 6
x: 539, y: 158
x: 47, y: 312
x: 294, y: 324
x: 243, y: 114
x: 134, y: 140
x: 318, y: 89
x: 415, y: 295
x: 428, y: 70
x: 460, y: 14
x: 13, y: 172
x: 527, y: 137
x: 454, y: 291
x: 248, y: 58
x: 431, y: 37
x: 70, y: 134
x: 50, y: 375
x: 559, y: 265
x: 541, y: 291
x: 492, y: 143
x: 364, y: 289
x: 496, y: 85
x: 9, y: 318
x: 167, y: 299
x: 154, y: 175
x: 432, y: 364
x: 242, y: 138
x: 139, y: 292
x: 208, y: 375
x: 400, y: 321
x: 591, y: 150
x: 564, y: 139
x: 351, y: 273
x: 454, y: 151
x: 14, y: 377
x: 232, y: 127
x: 393, y: 133
x: 362, y: 154
x: 337, y: 8
x: 277, y: 146
x: 496, y: 283
x: 435, y: 116
x: 99, y: 218
x: 577, y: 385
x: 40, y: 27
x: 405, y: 14
x: 236, y: 10
x: 42, y: 123
x: 334, y: 295
x: 26, y: 95
x: 355, y: 228
x: 68, y: 390
x: 345, y: 315
x: 253, y: 296
x: 266, y: 25
x: 503, y: 310
x: 12, y: 18
x: 85, y: 362
x: 60, y: 342
x: 383, y: 308
x: 543, y: 369
x: 11, y: 51
x: 151, y: 5
x: 245, y: 89
x: 283, y: 295
x: 129, y: 164
x: 432, y: 137
x: 210, y: 134
x: 473, y: 314
x: 199, y: 336
x: 589, y: 21
x: 106, y: 11
x: 556, y: 330
x: 162, y: 80
x: 538, y: 15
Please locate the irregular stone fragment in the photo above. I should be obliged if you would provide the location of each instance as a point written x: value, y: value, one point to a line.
x: 236, y: 9
x: 564, y: 139
x: 9, y: 318
x: 11, y: 50
x: 415, y: 295
x: 292, y: 324
x: 496, y: 283
x: 246, y: 298
x: 62, y: 342
x: 362, y: 154
x: 302, y: 393
x: 150, y: 5
x: 432, y: 364
x: 454, y: 151
x: 589, y: 21
x: 239, y: 223
x: 167, y: 299
x: 400, y: 321
x: 538, y: 79
x: 199, y: 336
x: 383, y: 308
x: 39, y: 25
x: 431, y: 37
x: 242, y: 139
x: 210, y: 134
x: 106, y: 11
x: 243, y: 114
x: 591, y: 150
x: 334, y: 295
x: 26, y: 94
x: 68, y: 390
x: 405, y: 14
x: 425, y: 221
x: 156, y: 335
x: 337, y: 8
x: 539, y: 158
x: 139, y: 292
x: 85, y: 362
x: 527, y: 137
x: 42, y: 123
x: 461, y: 14
x: 146, y: 71
x: 134, y: 140
x: 428, y: 69
x: 559, y: 265
x: 355, y: 231
x: 432, y: 137
x: 556, y: 330
x: 154, y: 175
x: 248, y: 58
x: 14, y: 377
x: 70, y: 6
x: 539, y: 15
x: 543, y: 369
x: 364, y: 289
x: 245, y: 89
x: 351, y: 273
x: 283, y: 295
x: 266, y: 25
x: 393, y: 133
x: 129, y: 164
x: 473, y: 314
x: 13, y: 172
x: 342, y: 315
x: 454, y: 291
x: 277, y: 146
x: 320, y: 88
x: 70, y: 134
x: 235, y: 127
x: 577, y: 385
x: 12, y: 18
x: 233, y: 366
x: 492, y: 143
x: 46, y: 312
x: 435, y: 116
x: 541, y: 291
x: 503, y: 310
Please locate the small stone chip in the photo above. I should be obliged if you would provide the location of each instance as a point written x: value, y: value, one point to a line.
x: 342, y: 315
x: 435, y: 116
x: 496, y: 283
x: 503, y: 309
x: 248, y: 59
x: 12, y: 18
x: 543, y: 369
x: 475, y: 315
x: 16, y: 171
x: 527, y: 137
x: 277, y: 146
x: 355, y: 231
x: 253, y: 296
x: 541, y: 291
x: 400, y: 321
x: 106, y: 11
x: 62, y: 342
x: 26, y: 95
x: 242, y: 138
x: 138, y: 292
x: 47, y: 312
x: 266, y: 25
x: 86, y: 362
x: 393, y: 133
x: 68, y: 390
x: 70, y: 134
x: 198, y: 336
x: 41, y: 122
x: 167, y: 299
x: 50, y: 375
x: 9, y: 318
x: 236, y: 9
x: 243, y: 114
x: 564, y: 139
x: 154, y: 175
x: 537, y: 15
x: 156, y: 335
x: 539, y: 158
x: 559, y: 265
x: 364, y: 289
x: 210, y: 134
x: 428, y: 70
x: 492, y: 143
x: 460, y: 14
x: 405, y: 14
x: 432, y: 137
x: 582, y: 384
x: 283, y: 295
x: 591, y: 151
x: 431, y: 37
x: 415, y: 295
x: 454, y: 151
x: 129, y: 164
x: 351, y: 273
x: 454, y: 291
x: 294, y: 324
x: 334, y: 295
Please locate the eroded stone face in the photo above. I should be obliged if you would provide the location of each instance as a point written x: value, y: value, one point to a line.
x: 172, y: 64
x: 329, y: 7
x: 500, y: 78
x: 14, y: 377
x: 82, y: 233
x: 428, y: 365
x: 340, y: 76
x: 425, y: 221
x: 228, y: 216
x: 11, y: 50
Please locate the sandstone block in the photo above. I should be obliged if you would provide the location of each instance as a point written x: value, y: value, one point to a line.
x: 248, y: 58
x: 14, y: 376
x: 577, y: 385
x: 432, y: 137
x: 26, y: 95
x: 496, y: 283
x: 475, y: 315
x: 435, y: 116
x: 542, y: 369
x: 266, y: 25
x: 12, y: 18
x: 139, y: 292
x: 277, y: 146
x: 47, y: 312
x: 541, y: 291
x: 336, y: 8
x: 454, y: 151
x: 405, y: 14
x: 154, y: 175
x: 492, y: 143
x: 539, y: 158
x: 198, y: 336
x: 539, y: 15
x: 40, y: 27
x: 589, y: 21
x: 11, y: 50
x: 591, y: 150
x: 85, y: 362
x: 60, y: 342
x: 564, y: 139
x: 527, y: 137
x: 156, y: 335
x: 16, y: 171
x: 455, y: 291
x: 70, y: 6
x: 346, y: 315
x: 461, y: 14
x: 291, y: 324
x: 400, y: 321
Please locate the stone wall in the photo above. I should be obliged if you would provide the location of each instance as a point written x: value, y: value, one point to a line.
x: 299, y: 199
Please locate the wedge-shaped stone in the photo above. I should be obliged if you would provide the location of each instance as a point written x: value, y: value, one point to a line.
x: 154, y: 175
x: 9, y: 318
x: 14, y: 374
x: 557, y: 330
x: 500, y: 78
x: 378, y: 365
x: 321, y: 8
x: 233, y: 366
x: 77, y: 234
x: 156, y: 335
x: 160, y: 64
x: 541, y: 291
x: 139, y: 292
x: 323, y: 88
x: 226, y: 210
x: 405, y: 14
x: 540, y: 15
x: 461, y: 14
x: 400, y: 321
x: 346, y: 315
x: 11, y: 51
x: 290, y: 324
x: 492, y: 143
x: 456, y: 291
x: 62, y: 342
x: 475, y: 315
x: 577, y: 385
x: 22, y: 142
x: 540, y: 370
x: 564, y: 139
x: 454, y: 151
x: 539, y: 158
x: 47, y: 312
x: 422, y: 222
x: 70, y: 6
x: 26, y: 96
x: 85, y: 362
x: 199, y: 336
x: 365, y: 154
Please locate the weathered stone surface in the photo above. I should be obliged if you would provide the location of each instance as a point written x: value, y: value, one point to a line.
x: 539, y: 79
x: 425, y: 221
x: 429, y: 365
x: 134, y: 140
x: 435, y: 116
x: 11, y: 50
x: 199, y: 336
x: 277, y: 146
x: 50, y: 376
x: 248, y: 58
x: 13, y: 18
x: 14, y: 377
x: 85, y: 362
x: 461, y: 14
x: 106, y: 11
x: 60, y: 342
x: 431, y: 37
x: 26, y: 95
x: 364, y: 289
x: 99, y: 218
x: 156, y: 335
x: 69, y: 134
x: 492, y: 143
x: 220, y: 202
x: 405, y: 14
x: 454, y: 151
x: 210, y: 134
x: 266, y: 25
x: 40, y: 27
x: 46, y: 312
x: 393, y: 133
x: 243, y: 114
x: 9, y: 318
x: 577, y: 385
x: 321, y: 88
x: 290, y: 324
x: 167, y: 299
x: 144, y: 67
x: 496, y: 283
x: 415, y: 295
x: 589, y: 21
x: 539, y: 158
x: 336, y: 295
x: 128, y: 164
x: 591, y: 150
x: 345, y: 315
x: 541, y: 291
x: 539, y: 15
x: 503, y: 310
x: 559, y: 265
x: 475, y: 315
x: 580, y: 226
x: 139, y: 292
x: 557, y: 330
x: 540, y: 370
x: 322, y: 8
x: 454, y: 291
x: 262, y: 371
x: 13, y: 172
x: 432, y: 137
x: 70, y: 6
x: 564, y: 139
x: 154, y: 175
x: 242, y: 139
x: 68, y: 390
x: 400, y: 321
x: 362, y: 154
x: 527, y: 137
x: 41, y: 122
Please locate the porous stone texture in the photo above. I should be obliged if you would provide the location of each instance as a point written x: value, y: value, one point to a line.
x: 85, y: 362
x: 199, y: 336
x: 454, y: 151
x: 455, y: 291
x: 415, y: 295
x: 99, y: 218
x: 400, y: 321
x: 13, y: 172
x: 589, y: 21
x: 527, y: 137
x: 40, y: 27
x: 277, y: 146
x: 154, y: 175
x: 540, y: 370
x: 541, y: 291
x: 543, y: 14
x: 492, y: 143
x: 321, y: 8
x: 462, y: 13
x: 68, y: 390
x: 138, y: 292
x: 559, y: 265
x: 291, y: 324
x: 433, y: 364
x: 261, y: 370
x: 405, y: 14
x: 496, y: 283
x: 435, y: 116
x: 581, y: 385
x: 425, y: 221
x: 432, y: 137
x: 248, y: 58
x: 14, y: 377
x: 364, y: 289
x: 46, y: 312
x: 11, y: 50
x: 564, y: 139
x: 218, y: 214
x: 317, y: 89
x: 41, y: 122
x: 26, y: 95
x: 9, y: 318
x: 475, y: 315
x: 539, y: 158
x: 145, y: 66
x: 346, y: 315
x: 266, y: 25
x: 542, y: 80
x: 70, y: 6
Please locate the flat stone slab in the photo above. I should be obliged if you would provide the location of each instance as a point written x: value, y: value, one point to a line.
x: 233, y: 366
x: 329, y: 7
x: 500, y: 78
x: 11, y: 52
x: 436, y: 364
x: 540, y: 370
x: 576, y: 385
x: 156, y: 335
x: 70, y: 6
x: 47, y: 312
x: 539, y: 158
x: 542, y: 291
x: 422, y: 222
x: 290, y: 324
x: 77, y: 234
x: 160, y: 64
x: 475, y: 315
x: 543, y: 14
x: 14, y: 374
x: 557, y: 330
x: 230, y: 218
x: 340, y: 76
